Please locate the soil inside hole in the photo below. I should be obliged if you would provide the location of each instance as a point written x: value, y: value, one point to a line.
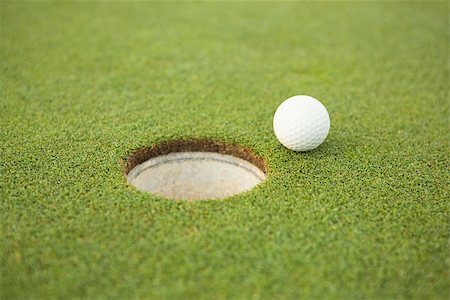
x: 193, y: 145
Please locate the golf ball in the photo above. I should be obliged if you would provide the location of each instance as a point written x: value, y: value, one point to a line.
x: 301, y: 123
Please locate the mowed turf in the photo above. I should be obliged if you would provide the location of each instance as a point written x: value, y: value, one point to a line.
x: 364, y: 216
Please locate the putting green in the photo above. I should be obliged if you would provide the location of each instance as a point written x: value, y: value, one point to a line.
x: 364, y: 216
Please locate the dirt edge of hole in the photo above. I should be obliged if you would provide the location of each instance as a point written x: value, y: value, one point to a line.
x: 192, y: 145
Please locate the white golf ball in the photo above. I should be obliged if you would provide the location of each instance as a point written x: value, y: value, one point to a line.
x: 301, y: 123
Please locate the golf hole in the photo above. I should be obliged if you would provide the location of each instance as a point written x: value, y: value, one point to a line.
x: 194, y: 170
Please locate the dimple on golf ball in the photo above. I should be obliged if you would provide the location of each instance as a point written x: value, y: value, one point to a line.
x: 301, y: 123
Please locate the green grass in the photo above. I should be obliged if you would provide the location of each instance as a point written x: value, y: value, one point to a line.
x: 364, y: 216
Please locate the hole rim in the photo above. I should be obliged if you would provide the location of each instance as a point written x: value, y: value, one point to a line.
x: 144, y: 154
